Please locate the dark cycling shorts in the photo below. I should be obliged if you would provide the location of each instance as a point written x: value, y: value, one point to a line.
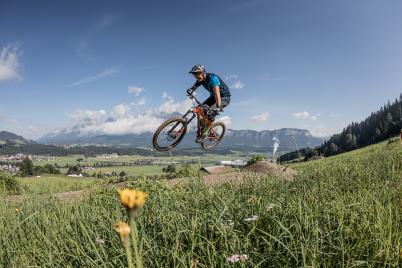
x: 211, y: 101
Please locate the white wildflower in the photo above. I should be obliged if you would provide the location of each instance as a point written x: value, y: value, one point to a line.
x: 99, y: 241
x: 270, y: 206
x: 237, y: 258
x: 253, y: 218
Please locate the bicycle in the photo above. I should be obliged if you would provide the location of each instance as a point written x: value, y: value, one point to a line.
x: 173, y: 130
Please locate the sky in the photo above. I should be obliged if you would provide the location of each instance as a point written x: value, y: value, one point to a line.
x: 114, y: 67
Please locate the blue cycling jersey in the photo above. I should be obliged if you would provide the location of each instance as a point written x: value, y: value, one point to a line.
x: 212, y: 80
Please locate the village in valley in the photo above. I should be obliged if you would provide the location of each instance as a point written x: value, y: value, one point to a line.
x: 110, y: 164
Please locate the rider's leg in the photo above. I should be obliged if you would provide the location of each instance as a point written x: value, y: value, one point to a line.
x: 211, y: 102
x: 225, y: 102
x: 208, y: 102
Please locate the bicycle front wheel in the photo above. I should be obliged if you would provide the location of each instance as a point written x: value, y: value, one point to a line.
x: 169, y: 134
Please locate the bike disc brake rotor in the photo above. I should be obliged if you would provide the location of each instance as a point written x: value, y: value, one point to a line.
x: 171, y: 136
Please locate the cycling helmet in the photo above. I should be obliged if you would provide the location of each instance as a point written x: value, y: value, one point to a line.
x: 199, y: 68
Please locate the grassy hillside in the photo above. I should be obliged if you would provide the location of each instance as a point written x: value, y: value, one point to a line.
x: 343, y: 211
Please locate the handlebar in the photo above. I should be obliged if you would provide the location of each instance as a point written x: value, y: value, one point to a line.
x: 192, y: 97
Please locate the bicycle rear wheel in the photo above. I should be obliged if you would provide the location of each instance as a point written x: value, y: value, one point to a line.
x: 215, y: 135
x: 169, y: 134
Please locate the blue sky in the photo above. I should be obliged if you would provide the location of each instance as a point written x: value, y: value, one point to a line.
x: 316, y: 65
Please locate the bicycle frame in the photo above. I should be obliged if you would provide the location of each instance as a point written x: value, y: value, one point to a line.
x: 198, y: 112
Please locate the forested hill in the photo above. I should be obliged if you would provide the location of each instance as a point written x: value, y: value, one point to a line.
x: 379, y: 126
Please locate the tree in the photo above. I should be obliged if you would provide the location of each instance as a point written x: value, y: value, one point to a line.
x: 333, y: 148
x: 169, y: 169
x: 74, y: 170
x: 9, y: 184
x: 26, y: 168
x: 50, y: 169
x: 256, y: 158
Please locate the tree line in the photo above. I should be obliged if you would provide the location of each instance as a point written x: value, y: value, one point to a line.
x: 11, y: 148
x: 379, y: 126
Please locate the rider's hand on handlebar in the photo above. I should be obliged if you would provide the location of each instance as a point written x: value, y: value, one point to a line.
x: 216, y: 110
x: 190, y: 92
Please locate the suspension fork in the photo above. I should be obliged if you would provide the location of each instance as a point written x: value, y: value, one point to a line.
x: 185, y: 117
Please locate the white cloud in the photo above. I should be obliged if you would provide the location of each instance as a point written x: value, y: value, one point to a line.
x: 9, y: 63
x: 225, y: 119
x: 270, y: 77
x: 170, y: 105
x: 322, y: 132
x: 166, y: 96
x: 305, y: 115
x: 140, y: 102
x: 234, y: 81
x: 232, y: 76
x: 262, y: 117
x: 120, y: 110
x: 302, y: 115
x: 124, y: 121
x: 237, y: 85
x: 33, y: 129
x: 130, y: 124
x: 94, y: 77
x: 87, y: 116
x: 135, y: 90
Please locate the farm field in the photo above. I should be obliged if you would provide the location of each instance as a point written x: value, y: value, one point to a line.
x: 131, y: 170
x: 204, y: 159
x: 125, y: 163
x: 343, y: 211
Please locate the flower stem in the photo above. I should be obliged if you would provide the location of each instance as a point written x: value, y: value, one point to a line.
x: 129, y: 257
x: 134, y: 241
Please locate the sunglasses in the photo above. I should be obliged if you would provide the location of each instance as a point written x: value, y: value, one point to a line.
x: 197, y: 74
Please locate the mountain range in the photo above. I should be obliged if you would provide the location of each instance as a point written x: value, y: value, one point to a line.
x: 286, y: 138
x: 6, y: 136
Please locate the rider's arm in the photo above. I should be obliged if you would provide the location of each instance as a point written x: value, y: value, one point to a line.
x: 217, y: 96
x: 194, y: 87
x: 215, y: 83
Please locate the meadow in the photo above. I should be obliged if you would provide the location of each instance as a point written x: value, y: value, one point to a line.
x: 203, y: 159
x: 343, y: 211
x: 48, y: 184
x: 127, y: 164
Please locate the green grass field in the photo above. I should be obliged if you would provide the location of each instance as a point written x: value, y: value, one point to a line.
x: 72, y: 159
x: 56, y: 184
x: 343, y: 211
x: 131, y: 170
x: 135, y: 170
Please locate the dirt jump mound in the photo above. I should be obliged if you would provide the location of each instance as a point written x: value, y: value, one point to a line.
x: 267, y: 167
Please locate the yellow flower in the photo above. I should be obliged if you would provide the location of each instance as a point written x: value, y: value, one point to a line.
x: 17, y: 210
x: 123, y: 229
x: 132, y: 199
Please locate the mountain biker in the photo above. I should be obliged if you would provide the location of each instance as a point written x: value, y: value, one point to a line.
x: 219, y: 93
